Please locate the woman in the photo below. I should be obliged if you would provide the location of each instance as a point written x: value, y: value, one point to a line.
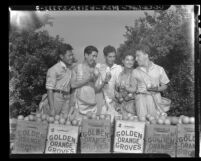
x: 125, y: 87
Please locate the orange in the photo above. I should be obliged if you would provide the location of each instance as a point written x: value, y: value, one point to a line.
x: 45, y: 121
x: 185, y: 120
x: 167, y: 122
x: 74, y: 122
x: 174, y: 120
x: 38, y: 119
x: 56, y: 122
x: 102, y: 117
x: 151, y: 118
x: 68, y: 123
x: 93, y: 116
x: 125, y: 117
x: 192, y: 120
x: 142, y: 118
x: 160, y: 121
x: 20, y: 117
x: 61, y: 120
x: 43, y: 117
x: 51, y: 119
x: 107, y: 117
x: 153, y: 121
x: 31, y: 118
x: 89, y: 115
x: 57, y: 117
x: 26, y: 118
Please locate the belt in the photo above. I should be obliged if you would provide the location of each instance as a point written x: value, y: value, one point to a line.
x: 61, y: 92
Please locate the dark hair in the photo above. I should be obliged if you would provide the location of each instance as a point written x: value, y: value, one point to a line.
x: 63, y: 48
x: 108, y: 49
x: 127, y: 54
x: 144, y: 48
x: 89, y: 49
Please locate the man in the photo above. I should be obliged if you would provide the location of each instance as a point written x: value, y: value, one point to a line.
x: 109, y: 72
x: 151, y: 80
x: 57, y: 100
x: 83, y: 81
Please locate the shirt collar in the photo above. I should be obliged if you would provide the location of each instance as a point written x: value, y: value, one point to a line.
x: 63, y: 65
x: 150, y: 68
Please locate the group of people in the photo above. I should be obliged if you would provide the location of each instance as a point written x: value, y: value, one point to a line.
x: 78, y: 89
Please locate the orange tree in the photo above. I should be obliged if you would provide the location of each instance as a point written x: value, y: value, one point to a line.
x: 168, y: 36
x: 31, y: 53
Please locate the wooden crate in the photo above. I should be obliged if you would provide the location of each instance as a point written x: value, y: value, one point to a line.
x: 95, y: 136
x: 30, y: 137
x: 129, y: 137
x: 186, y: 140
x: 62, y: 139
x: 161, y: 139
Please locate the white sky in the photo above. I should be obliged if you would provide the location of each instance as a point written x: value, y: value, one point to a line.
x: 98, y: 28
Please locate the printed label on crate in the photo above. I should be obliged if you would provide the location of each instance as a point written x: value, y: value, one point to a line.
x: 129, y: 136
x: 13, y: 126
x: 30, y: 137
x: 95, y: 136
x: 186, y: 140
x: 161, y: 139
x: 62, y: 139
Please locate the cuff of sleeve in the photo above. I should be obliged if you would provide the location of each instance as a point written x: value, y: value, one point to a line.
x: 49, y: 87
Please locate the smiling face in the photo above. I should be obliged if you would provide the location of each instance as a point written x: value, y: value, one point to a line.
x: 141, y: 57
x: 67, y: 58
x: 128, y: 61
x: 110, y: 58
x: 91, y: 58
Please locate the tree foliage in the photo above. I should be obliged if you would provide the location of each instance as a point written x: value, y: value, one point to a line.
x: 168, y: 36
x: 31, y: 53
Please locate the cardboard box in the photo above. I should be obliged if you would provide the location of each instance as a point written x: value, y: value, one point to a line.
x: 129, y: 137
x: 161, y: 139
x: 62, y: 139
x: 13, y: 126
x: 30, y: 137
x: 95, y: 136
x: 186, y: 140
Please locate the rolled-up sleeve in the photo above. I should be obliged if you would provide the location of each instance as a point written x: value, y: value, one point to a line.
x: 50, y: 79
x: 163, y: 77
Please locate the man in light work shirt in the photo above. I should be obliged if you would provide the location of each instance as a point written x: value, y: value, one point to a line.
x: 58, y: 82
x: 151, y: 81
x: 108, y: 85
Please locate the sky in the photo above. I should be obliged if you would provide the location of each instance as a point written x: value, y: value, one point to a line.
x: 98, y: 28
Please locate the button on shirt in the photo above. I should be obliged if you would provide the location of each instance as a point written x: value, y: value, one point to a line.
x: 115, y: 70
x: 58, y: 77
